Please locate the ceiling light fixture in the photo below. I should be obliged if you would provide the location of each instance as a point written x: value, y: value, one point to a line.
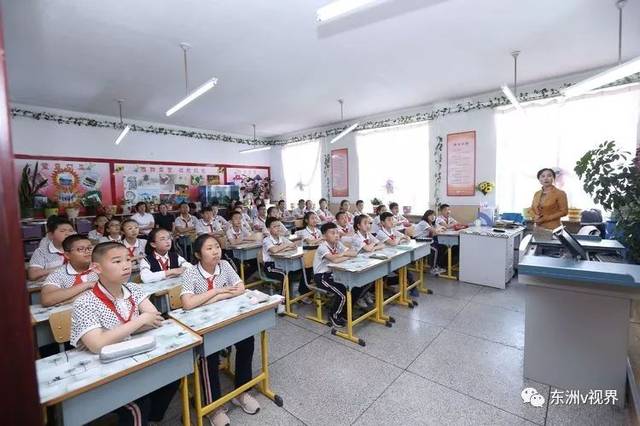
x: 261, y: 148
x: 125, y: 129
x: 512, y: 96
x: 346, y: 131
x: 342, y: 7
x: 204, y: 88
x: 611, y: 75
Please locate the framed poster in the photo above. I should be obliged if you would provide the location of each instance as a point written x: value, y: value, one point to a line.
x: 461, y: 164
x: 340, y: 172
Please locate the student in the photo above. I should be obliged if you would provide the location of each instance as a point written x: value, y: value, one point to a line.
x: 161, y: 262
x: 309, y: 206
x: 244, y: 223
x: 344, y: 207
x: 344, y: 226
x: 282, y: 208
x: 144, y: 219
x: 110, y: 212
x: 44, y: 241
x: 298, y: 212
x: 163, y: 219
x: 333, y: 251
x: 259, y: 223
x: 114, y: 232
x: 109, y: 313
x: 398, y: 219
x: 445, y: 219
x: 275, y: 243
x: 135, y: 246
x: 427, y: 228
x: 206, y: 225
x: 210, y: 281
x: 193, y: 210
x: 359, y: 209
x: 99, y: 231
x: 310, y: 234
x: 387, y: 234
x: 246, y: 219
x: 363, y: 240
x: 375, y: 227
x: 274, y: 212
x: 45, y: 260
x: 185, y: 223
x: 236, y: 235
x: 256, y: 204
x: 219, y: 220
x: 70, y: 280
x: 323, y: 212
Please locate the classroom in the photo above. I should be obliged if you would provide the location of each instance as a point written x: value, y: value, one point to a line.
x: 320, y: 212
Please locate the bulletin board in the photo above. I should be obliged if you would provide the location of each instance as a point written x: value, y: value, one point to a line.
x: 461, y: 164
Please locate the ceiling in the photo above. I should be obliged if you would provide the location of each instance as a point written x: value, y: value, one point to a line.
x: 279, y: 69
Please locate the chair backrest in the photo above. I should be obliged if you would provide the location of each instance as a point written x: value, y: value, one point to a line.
x: 60, y: 323
x: 307, y: 258
x: 410, y: 231
x: 174, y: 297
x: 298, y: 223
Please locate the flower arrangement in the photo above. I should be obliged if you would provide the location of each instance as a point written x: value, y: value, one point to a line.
x: 257, y: 186
x: 485, y: 187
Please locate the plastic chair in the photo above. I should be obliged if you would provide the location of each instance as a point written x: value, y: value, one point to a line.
x: 60, y: 323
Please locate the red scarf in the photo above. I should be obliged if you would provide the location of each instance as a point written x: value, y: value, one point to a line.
x: 64, y: 259
x: 210, y: 281
x: 78, y: 277
x: 163, y: 264
x: 332, y: 250
x: 109, y: 304
x: 132, y: 251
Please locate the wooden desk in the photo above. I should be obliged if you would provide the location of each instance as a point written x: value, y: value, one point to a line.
x: 290, y: 261
x: 86, y: 389
x: 222, y: 324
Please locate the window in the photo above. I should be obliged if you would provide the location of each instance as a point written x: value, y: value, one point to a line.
x: 393, y: 165
x: 301, y: 163
x: 556, y: 134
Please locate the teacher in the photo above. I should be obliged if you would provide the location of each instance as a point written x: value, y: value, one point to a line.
x: 550, y: 203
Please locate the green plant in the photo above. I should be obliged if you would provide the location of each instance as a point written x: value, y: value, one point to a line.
x: 30, y: 184
x: 613, y: 180
x: 375, y: 201
x: 51, y: 204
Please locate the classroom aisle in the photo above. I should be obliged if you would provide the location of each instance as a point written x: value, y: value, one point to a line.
x: 454, y: 359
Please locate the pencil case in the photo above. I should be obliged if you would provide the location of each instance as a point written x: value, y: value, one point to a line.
x: 127, y: 348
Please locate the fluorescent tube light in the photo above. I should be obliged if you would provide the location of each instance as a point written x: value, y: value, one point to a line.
x: 193, y: 95
x: 123, y: 133
x: 344, y: 133
x: 604, y: 78
x: 512, y: 98
x: 341, y: 7
x: 262, y: 148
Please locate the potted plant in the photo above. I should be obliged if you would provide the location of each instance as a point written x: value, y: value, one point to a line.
x: 51, y: 208
x: 613, y: 180
x: 91, y: 200
x: 72, y: 211
x: 375, y: 202
x: 30, y: 184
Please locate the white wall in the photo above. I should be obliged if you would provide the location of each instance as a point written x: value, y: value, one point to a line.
x: 46, y: 138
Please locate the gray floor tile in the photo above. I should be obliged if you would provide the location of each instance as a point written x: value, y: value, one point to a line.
x: 488, y: 371
x: 432, y: 308
x: 413, y: 400
x: 492, y: 323
x: 269, y: 414
x: 301, y: 321
x: 585, y: 415
x: 328, y: 383
x: 398, y: 345
x: 512, y: 297
x: 451, y: 288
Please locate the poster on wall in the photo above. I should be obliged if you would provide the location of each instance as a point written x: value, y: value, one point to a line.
x: 255, y: 181
x: 156, y: 183
x: 340, y: 172
x: 461, y: 164
x: 71, y: 183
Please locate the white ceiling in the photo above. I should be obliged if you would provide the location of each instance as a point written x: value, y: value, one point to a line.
x: 277, y: 68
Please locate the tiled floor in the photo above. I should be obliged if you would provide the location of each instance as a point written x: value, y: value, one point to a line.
x: 456, y: 358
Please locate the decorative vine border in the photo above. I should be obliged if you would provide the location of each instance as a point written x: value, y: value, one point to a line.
x: 437, y: 171
x: 493, y: 102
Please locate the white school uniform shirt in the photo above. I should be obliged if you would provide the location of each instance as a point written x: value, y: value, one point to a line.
x: 422, y: 230
x: 246, y: 218
x: 346, y: 229
x: 360, y: 213
x: 108, y: 239
x: 195, y: 280
x: 285, y: 214
x: 220, y: 221
x: 375, y: 225
x: 359, y: 240
x: 320, y: 264
x: 268, y: 242
x: 325, y: 215
x: 144, y: 220
x: 90, y: 313
x: 145, y: 269
x: 137, y: 248
x: 298, y: 212
x: 349, y: 216
x: 189, y: 222
x: 309, y: 233
x: 443, y: 221
x: 94, y: 235
x: 233, y: 234
x: 383, y: 235
x: 203, y: 227
x: 399, y: 219
x: 44, y: 242
x: 260, y: 224
x: 45, y: 258
x: 65, y: 277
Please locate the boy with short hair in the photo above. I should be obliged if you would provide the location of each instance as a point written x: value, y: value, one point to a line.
x: 45, y: 260
x: 207, y: 225
x: 275, y: 243
x: 282, y: 208
x: 260, y: 222
x: 219, y: 220
x: 387, y: 234
x: 185, y: 223
x: 399, y: 220
x: 444, y: 218
x: 331, y: 250
x: 72, y: 279
x: 298, y: 212
x: 44, y: 242
x: 110, y: 313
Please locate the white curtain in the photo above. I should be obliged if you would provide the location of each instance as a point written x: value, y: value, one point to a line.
x: 556, y: 134
x: 302, y: 169
x: 393, y: 165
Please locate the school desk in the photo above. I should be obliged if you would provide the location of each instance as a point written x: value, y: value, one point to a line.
x: 290, y: 261
x: 243, y: 252
x: 360, y: 272
x: 222, y: 324
x: 450, y: 239
x: 159, y: 291
x: 398, y: 258
x: 86, y: 389
x: 34, y: 288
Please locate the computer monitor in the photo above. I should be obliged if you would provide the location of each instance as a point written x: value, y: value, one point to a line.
x: 570, y: 243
